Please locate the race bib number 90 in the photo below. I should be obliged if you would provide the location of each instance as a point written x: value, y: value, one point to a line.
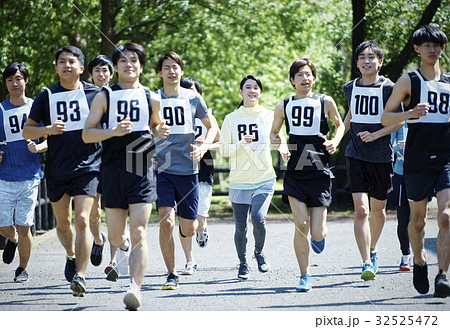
x: 177, y: 113
x: 174, y: 116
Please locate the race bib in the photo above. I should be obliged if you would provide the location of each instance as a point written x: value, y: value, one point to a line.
x: 177, y: 113
x: 70, y: 107
x: 366, y: 104
x: 437, y: 94
x: 129, y: 103
x: 303, y: 116
x: 255, y: 126
x: 14, y: 120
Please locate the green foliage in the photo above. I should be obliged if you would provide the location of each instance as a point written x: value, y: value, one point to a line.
x: 236, y: 38
x: 220, y: 41
x: 391, y: 23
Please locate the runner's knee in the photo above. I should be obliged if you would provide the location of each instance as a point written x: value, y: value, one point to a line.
x: 361, y: 213
x: 167, y: 225
x: 443, y: 219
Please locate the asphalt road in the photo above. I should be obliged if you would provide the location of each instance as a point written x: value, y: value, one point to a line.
x: 335, y: 275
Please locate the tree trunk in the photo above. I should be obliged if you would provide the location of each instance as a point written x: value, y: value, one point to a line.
x: 110, y: 9
x: 358, y: 34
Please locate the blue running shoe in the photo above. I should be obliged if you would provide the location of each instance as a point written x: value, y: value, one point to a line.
x: 367, y: 272
x: 374, y: 260
x: 318, y: 246
x: 305, y: 283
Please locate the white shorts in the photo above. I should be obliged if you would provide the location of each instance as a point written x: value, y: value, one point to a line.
x: 19, y: 198
x: 204, y: 198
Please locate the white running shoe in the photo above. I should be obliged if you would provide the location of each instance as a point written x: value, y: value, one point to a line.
x: 202, y: 238
x: 132, y: 298
x: 405, y: 263
x: 190, y: 268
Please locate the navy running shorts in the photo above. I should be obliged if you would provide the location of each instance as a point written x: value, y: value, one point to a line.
x: 178, y: 192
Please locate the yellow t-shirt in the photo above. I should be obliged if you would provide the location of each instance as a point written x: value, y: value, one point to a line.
x: 249, y: 163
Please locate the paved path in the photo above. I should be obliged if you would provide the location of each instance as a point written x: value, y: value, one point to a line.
x: 336, y: 277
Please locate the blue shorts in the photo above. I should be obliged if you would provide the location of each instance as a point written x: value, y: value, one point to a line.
x: 178, y: 192
x: 19, y: 198
x: 85, y: 184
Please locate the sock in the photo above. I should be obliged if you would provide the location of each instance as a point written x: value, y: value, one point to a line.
x: 373, y: 250
x: 70, y: 257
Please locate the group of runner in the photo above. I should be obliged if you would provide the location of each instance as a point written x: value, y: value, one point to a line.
x: 130, y: 147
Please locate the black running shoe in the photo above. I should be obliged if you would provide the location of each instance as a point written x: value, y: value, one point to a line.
x: 9, y: 252
x: 71, y: 268
x: 111, y: 272
x: 420, y: 278
x: 97, y: 252
x: 441, y: 286
x: 78, y: 286
x: 243, y: 272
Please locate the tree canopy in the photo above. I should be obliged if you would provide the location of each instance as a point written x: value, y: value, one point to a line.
x: 220, y: 41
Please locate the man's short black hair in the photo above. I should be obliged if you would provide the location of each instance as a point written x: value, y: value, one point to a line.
x: 170, y: 55
x: 71, y: 49
x: 12, y: 68
x: 189, y: 82
x: 429, y: 33
x: 130, y: 46
x: 372, y: 45
x: 100, y: 60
